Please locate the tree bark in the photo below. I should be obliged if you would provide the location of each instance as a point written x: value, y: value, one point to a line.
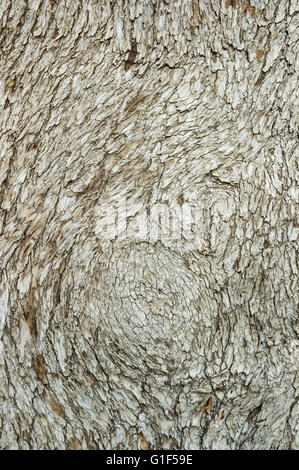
x: 116, y: 342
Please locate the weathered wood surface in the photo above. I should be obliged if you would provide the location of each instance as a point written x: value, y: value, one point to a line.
x: 121, y: 343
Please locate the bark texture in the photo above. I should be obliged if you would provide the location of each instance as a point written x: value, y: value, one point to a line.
x: 129, y: 344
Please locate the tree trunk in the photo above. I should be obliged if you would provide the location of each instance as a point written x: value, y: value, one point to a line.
x: 116, y: 113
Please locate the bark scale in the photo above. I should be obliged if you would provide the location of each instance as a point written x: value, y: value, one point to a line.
x: 124, y: 343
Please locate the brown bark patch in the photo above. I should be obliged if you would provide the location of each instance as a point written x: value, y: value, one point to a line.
x: 259, y: 54
x: 62, y: 267
x: 195, y: 11
x: 144, y: 444
x: 229, y: 3
x: 180, y: 199
x: 30, y: 314
x: 11, y: 83
x: 40, y: 368
x: 74, y: 444
x: 57, y: 409
x: 92, y: 377
x: 208, y: 405
x: 253, y: 413
x: 134, y: 103
x: 131, y: 57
